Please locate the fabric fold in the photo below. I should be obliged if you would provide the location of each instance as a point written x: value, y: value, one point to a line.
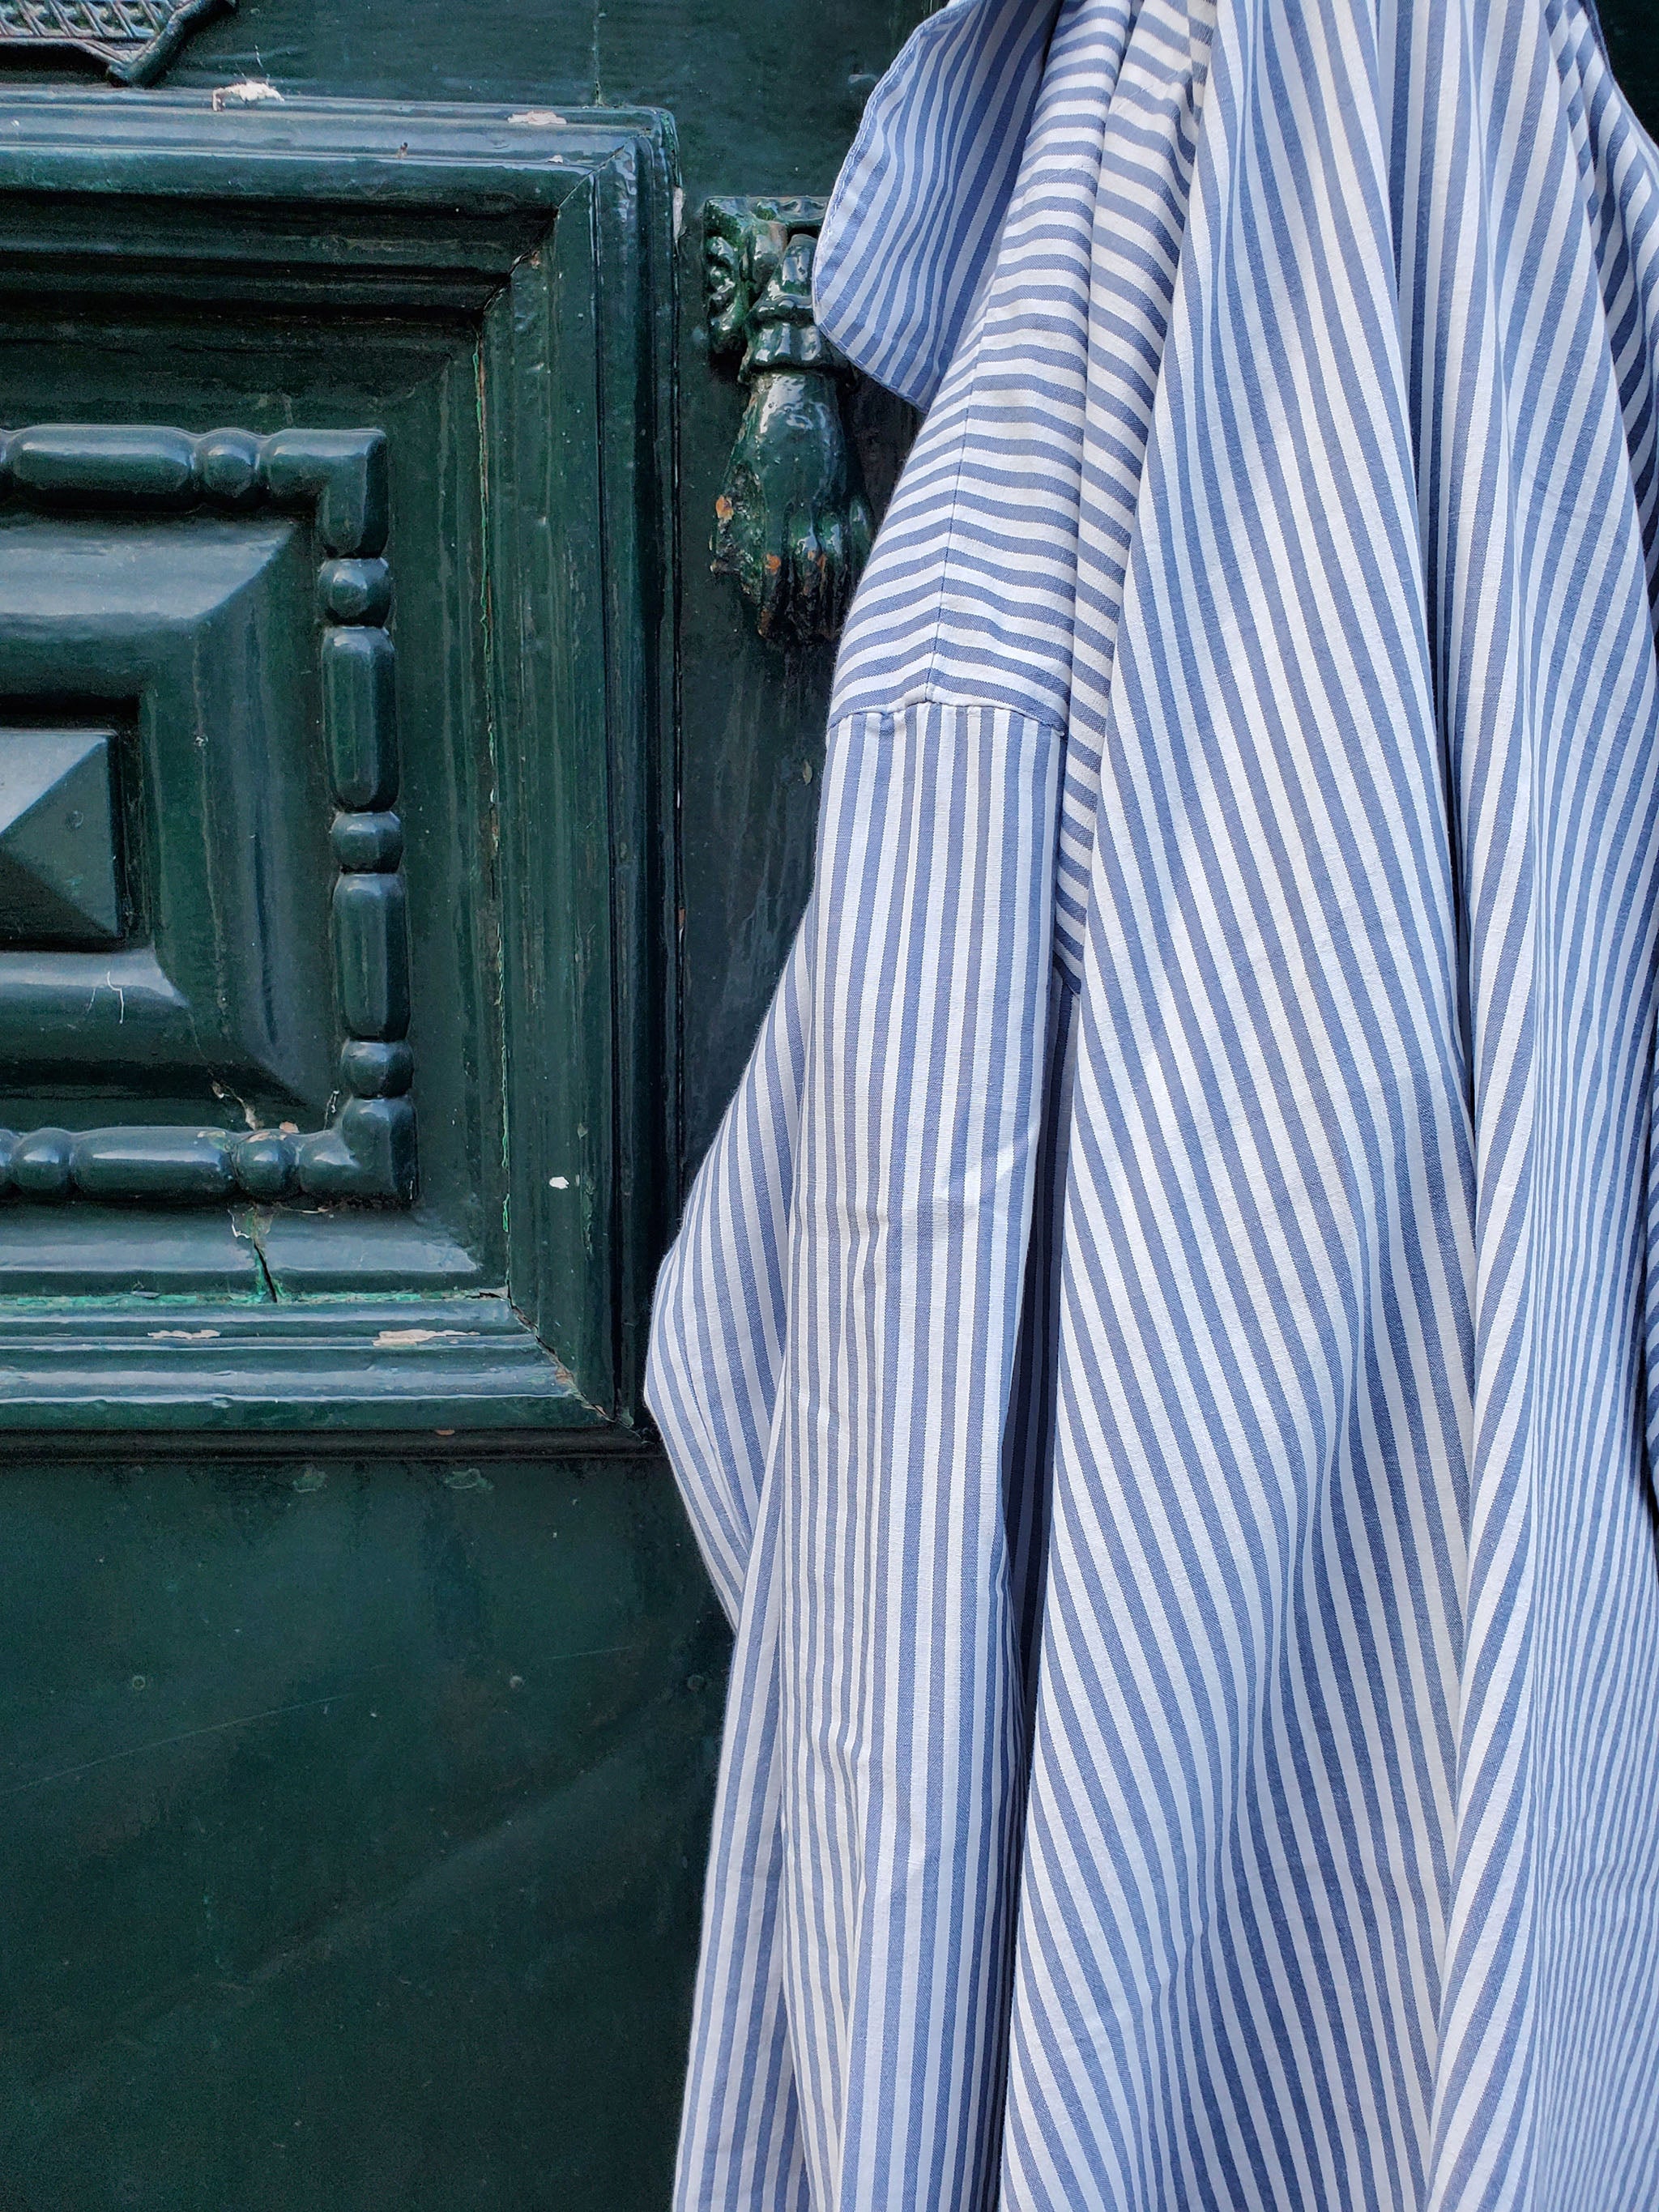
x: 1189, y: 1213
x: 905, y: 1165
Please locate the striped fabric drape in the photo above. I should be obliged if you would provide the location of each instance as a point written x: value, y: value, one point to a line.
x: 1158, y: 1357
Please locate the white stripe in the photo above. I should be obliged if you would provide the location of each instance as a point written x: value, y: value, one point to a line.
x: 1160, y: 1357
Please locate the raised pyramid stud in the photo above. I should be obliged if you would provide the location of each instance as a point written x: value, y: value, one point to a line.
x: 58, y: 881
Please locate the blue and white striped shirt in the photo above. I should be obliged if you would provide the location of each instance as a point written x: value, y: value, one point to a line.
x: 1157, y: 1358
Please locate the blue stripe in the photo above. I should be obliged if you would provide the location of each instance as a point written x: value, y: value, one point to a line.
x: 1160, y: 1359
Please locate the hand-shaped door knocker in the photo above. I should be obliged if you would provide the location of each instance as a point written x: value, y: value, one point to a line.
x: 791, y: 523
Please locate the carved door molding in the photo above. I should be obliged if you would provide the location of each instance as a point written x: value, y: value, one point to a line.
x: 292, y: 861
x: 367, y: 1150
x: 136, y: 39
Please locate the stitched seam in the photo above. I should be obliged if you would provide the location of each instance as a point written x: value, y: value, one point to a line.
x: 1044, y: 725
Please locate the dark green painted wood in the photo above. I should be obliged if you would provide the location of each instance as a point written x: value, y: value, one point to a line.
x: 450, y: 1931
x: 334, y: 1870
x: 350, y: 1846
x: 59, y: 862
x: 135, y: 42
x: 764, y: 102
x: 338, y: 478
x: 180, y: 614
x: 45, y: 1254
x: 341, y: 1364
x: 466, y: 309
x: 360, y: 717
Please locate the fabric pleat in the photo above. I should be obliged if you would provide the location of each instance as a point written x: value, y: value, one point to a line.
x: 1160, y: 1357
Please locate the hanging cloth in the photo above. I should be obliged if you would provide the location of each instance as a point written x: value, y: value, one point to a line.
x: 1156, y: 1358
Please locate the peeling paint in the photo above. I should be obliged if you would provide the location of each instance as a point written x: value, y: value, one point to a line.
x: 247, y: 92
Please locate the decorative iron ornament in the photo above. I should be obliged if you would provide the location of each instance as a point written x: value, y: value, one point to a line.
x: 136, y: 39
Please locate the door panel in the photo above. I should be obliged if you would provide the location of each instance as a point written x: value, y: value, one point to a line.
x: 333, y: 578
x: 360, y: 1690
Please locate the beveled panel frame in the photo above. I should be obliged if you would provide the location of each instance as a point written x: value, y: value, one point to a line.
x: 550, y: 239
x: 339, y: 479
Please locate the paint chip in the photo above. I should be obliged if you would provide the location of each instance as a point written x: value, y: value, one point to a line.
x: 248, y: 92
x: 538, y: 118
x: 181, y: 1335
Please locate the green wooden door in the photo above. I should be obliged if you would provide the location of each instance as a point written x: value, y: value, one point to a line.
x: 398, y: 838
